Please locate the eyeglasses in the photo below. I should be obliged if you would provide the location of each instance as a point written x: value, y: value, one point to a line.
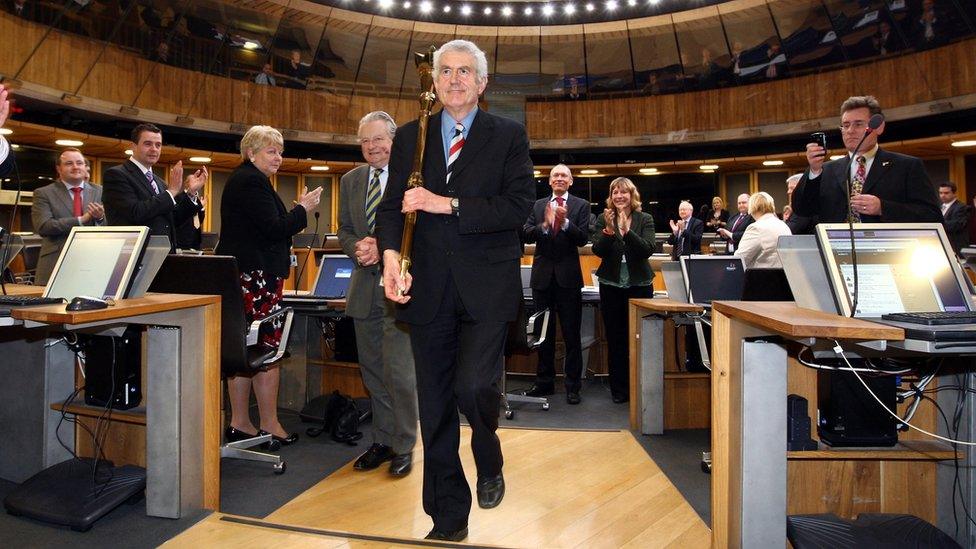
x: 376, y: 140
x: 856, y: 126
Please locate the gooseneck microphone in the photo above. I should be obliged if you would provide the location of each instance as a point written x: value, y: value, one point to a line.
x: 308, y: 253
x: 873, y: 124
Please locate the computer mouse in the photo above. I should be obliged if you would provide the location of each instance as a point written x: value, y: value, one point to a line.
x: 85, y: 303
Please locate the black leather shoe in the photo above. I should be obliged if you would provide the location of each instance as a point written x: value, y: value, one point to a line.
x: 445, y: 535
x: 491, y: 490
x: 538, y: 390
x: 284, y: 441
x: 401, y: 464
x: 620, y: 398
x: 572, y: 397
x: 374, y: 457
x: 233, y: 435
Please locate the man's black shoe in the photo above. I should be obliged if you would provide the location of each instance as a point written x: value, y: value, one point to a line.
x: 620, y: 398
x: 491, y: 490
x: 374, y: 457
x: 572, y: 397
x: 401, y: 464
x: 539, y: 390
x: 443, y: 535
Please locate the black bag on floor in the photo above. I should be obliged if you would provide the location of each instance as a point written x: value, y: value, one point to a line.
x: 341, y: 420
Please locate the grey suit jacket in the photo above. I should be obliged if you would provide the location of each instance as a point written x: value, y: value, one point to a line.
x: 53, y: 219
x: 364, y: 285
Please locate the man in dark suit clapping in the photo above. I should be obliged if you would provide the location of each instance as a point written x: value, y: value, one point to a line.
x: 736, y: 226
x: 464, y: 287
x: 133, y: 195
x: 686, y: 232
x: 955, y: 216
x: 559, y: 225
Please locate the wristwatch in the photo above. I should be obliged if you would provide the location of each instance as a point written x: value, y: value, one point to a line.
x: 455, y: 206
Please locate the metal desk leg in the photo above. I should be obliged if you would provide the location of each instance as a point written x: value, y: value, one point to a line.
x: 652, y: 375
x: 164, y: 454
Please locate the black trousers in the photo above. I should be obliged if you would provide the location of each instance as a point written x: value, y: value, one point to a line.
x: 459, y: 365
x: 614, y: 310
x: 567, y: 304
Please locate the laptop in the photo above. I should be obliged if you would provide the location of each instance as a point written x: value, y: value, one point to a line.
x: 674, y: 281
x: 332, y: 281
x: 901, y: 267
x: 712, y: 278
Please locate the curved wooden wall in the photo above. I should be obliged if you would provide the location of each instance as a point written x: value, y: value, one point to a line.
x: 104, y: 78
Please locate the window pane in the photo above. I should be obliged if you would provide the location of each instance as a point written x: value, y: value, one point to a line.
x: 704, y: 52
x: 293, y: 50
x: 341, y: 48
x: 656, y: 63
x: 563, y: 60
x: 774, y: 183
x: 385, y: 58
x: 808, y: 37
x: 608, y: 59
x: 735, y: 184
x: 287, y: 187
x: 326, y: 223
x: 517, y: 62
x: 753, y: 39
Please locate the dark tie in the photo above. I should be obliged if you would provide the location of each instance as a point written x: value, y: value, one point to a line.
x: 559, y: 222
x: 152, y: 182
x: 454, y: 151
x: 857, y: 185
x: 373, y: 195
x: 76, y: 206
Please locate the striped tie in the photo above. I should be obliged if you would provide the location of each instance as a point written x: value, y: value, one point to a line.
x: 373, y: 196
x: 455, y: 150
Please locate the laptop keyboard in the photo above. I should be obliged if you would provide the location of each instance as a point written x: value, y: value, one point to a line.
x: 936, y: 318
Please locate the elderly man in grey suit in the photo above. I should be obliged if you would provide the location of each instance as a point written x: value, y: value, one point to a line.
x: 69, y: 202
x: 385, y: 355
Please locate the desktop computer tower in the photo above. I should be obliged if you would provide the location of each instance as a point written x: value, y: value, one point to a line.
x: 114, y: 363
x: 849, y: 415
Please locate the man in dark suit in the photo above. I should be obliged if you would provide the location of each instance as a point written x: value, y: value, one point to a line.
x: 69, y: 202
x: 385, y: 356
x: 886, y: 187
x: 6, y: 155
x: 135, y: 196
x: 189, y: 235
x: 736, y: 225
x: 955, y: 216
x: 559, y: 225
x: 686, y: 232
x: 464, y: 286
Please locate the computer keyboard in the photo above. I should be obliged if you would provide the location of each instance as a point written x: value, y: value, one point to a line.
x: 936, y: 318
x: 8, y: 302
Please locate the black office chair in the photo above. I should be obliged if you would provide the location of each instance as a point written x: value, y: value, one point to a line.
x: 525, y: 335
x: 240, y: 349
x: 766, y: 285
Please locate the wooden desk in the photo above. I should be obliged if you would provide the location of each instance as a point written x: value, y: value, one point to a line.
x: 646, y: 327
x: 182, y: 390
x: 751, y: 474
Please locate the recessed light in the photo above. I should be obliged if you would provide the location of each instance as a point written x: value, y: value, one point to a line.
x: 200, y: 159
x: 386, y: 4
x: 708, y: 171
x: 647, y: 171
x: 548, y: 10
x: 6, y: 131
x: 319, y: 168
x: 589, y: 172
x: 487, y: 11
x: 69, y: 143
x: 426, y: 7
x: 507, y: 11
x: 965, y: 143
x: 836, y: 156
x: 406, y: 5
x: 251, y: 45
x: 465, y: 10
x: 527, y: 11
x: 128, y: 152
x: 631, y: 2
x: 706, y: 167
x: 536, y: 172
x: 611, y: 5
x: 569, y: 9
x: 447, y: 8
x: 15, y: 147
x: 590, y: 7
x: 772, y: 162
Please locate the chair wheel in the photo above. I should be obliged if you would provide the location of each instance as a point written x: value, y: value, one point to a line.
x: 509, y: 414
x: 279, y: 468
x: 545, y: 405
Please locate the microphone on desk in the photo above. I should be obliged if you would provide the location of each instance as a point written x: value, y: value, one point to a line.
x: 315, y: 234
x: 873, y: 124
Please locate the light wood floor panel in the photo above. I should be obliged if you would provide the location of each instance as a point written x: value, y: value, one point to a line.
x: 564, y: 489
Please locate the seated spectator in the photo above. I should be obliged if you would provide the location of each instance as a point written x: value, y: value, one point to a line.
x: 162, y: 54
x: 758, y: 246
x: 20, y: 8
x: 296, y: 71
x: 266, y: 76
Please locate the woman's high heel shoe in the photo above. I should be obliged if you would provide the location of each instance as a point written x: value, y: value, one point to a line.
x: 234, y: 435
x: 284, y: 441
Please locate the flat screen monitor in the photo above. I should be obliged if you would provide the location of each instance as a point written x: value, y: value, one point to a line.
x: 332, y: 282
x: 713, y: 278
x: 97, y: 262
x: 305, y: 240
x: 674, y: 281
x: 901, y: 267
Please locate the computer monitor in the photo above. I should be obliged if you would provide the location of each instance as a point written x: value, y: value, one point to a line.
x: 332, y: 282
x: 901, y: 267
x: 305, y: 240
x: 525, y: 271
x: 10, y: 246
x: 712, y: 278
x: 674, y: 281
x: 98, y: 262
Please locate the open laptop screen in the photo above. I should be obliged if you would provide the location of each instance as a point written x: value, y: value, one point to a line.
x: 97, y: 262
x: 335, y: 270
x: 713, y: 278
x: 900, y: 268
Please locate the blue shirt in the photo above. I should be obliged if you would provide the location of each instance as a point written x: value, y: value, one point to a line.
x: 447, y: 129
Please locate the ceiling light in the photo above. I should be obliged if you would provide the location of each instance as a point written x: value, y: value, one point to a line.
x: 251, y: 45
x: 487, y: 11
x: 631, y: 2
x: 547, y: 10
x: 465, y: 10
x: 447, y: 8
x: 128, y: 152
x: 836, y: 156
x: 590, y: 7
x: 772, y: 162
x: 319, y: 168
x: 536, y: 172
x: 6, y: 131
x: 569, y: 9
x: 69, y: 143
x: 589, y: 172
x: 647, y: 171
x: 708, y: 171
x: 426, y: 7
x: 200, y: 159
x: 15, y: 147
x: 386, y: 4
x: 507, y: 11
x: 611, y: 5
x: 966, y: 143
x: 406, y: 5
x: 705, y: 167
x: 527, y: 11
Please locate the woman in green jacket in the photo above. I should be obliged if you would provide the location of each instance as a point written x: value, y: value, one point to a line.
x: 623, y: 238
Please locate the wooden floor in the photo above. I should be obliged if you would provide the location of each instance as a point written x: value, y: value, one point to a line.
x: 563, y: 489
